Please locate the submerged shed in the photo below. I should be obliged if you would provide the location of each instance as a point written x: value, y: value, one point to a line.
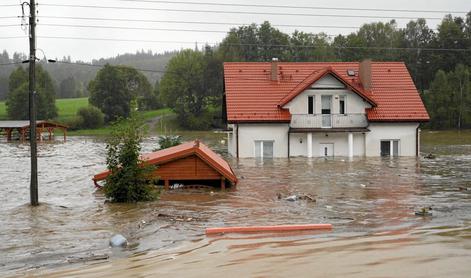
x: 191, y: 162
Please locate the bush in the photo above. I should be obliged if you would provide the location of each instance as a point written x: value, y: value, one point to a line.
x: 130, y: 180
x: 167, y: 141
x: 91, y: 117
x: 74, y: 123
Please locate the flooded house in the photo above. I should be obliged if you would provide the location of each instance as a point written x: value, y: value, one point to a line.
x: 318, y: 109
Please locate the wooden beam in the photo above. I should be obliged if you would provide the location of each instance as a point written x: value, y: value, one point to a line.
x: 223, y: 183
x: 167, y: 185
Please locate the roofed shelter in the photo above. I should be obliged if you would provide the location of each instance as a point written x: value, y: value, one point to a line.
x: 23, y: 128
x: 188, y: 162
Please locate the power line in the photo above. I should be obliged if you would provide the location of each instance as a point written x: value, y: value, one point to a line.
x: 134, y: 28
x: 13, y: 25
x: 237, y: 12
x: 9, y: 64
x: 196, y: 22
x: 267, y: 45
x: 291, y: 7
x: 101, y: 66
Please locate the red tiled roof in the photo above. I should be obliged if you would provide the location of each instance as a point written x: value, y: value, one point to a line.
x: 251, y: 96
x: 181, y: 151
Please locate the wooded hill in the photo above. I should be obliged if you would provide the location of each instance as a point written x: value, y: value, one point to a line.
x: 71, y: 80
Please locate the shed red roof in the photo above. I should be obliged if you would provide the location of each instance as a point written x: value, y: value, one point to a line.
x: 184, y: 150
x: 251, y: 96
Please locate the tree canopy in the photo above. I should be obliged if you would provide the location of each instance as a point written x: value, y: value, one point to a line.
x: 18, y: 97
x: 116, y: 89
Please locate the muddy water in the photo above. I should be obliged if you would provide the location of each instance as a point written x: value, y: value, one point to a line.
x: 370, y: 202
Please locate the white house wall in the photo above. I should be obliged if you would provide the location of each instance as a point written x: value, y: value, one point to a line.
x: 404, y: 132
x: 249, y: 133
x: 298, y: 143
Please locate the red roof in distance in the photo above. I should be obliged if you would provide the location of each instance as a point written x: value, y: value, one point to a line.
x: 251, y: 95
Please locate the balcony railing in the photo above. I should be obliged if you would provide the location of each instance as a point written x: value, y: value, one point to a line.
x: 328, y: 120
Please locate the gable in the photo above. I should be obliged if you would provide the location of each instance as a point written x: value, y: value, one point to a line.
x: 191, y: 167
x: 328, y: 82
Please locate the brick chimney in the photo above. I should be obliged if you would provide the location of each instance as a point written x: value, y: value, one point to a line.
x: 365, y: 73
x: 274, y: 69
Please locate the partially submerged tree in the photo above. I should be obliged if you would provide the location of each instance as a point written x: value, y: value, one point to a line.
x: 130, y: 179
x: 167, y: 141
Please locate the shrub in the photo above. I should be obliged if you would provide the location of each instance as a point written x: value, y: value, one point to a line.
x: 91, y: 117
x: 131, y: 179
x: 167, y: 141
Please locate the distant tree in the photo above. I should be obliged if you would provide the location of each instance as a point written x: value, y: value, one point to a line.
x: 18, y: 96
x: 116, y: 88
x: 460, y: 84
x: 68, y: 88
x: 439, y: 101
x: 183, y: 89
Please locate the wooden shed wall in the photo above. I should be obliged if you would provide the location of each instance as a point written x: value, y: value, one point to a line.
x: 188, y: 168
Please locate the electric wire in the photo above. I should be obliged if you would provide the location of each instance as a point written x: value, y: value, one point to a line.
x: 235, y: 12
x: 291, y: 7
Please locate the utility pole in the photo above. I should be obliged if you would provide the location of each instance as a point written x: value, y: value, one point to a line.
x: 32, y: 104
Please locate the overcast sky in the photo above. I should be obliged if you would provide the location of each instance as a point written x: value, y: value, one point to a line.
x: 85, y: 50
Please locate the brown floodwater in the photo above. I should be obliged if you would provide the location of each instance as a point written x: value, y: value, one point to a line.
x: 369, y: 201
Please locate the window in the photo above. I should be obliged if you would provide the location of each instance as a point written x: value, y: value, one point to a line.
x: 310, y: 105
x: 264, y: 149
x: 341, y: 104
x: 389, y: 147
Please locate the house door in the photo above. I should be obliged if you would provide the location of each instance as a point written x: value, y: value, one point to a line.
x: 326, y: 111
x: 327, y: 149
x: 264, y: 149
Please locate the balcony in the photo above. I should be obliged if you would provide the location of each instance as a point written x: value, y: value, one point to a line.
x: 355, y: 120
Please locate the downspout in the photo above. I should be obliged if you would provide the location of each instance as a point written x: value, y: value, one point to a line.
x: 288, y: 141
x: 417, y: 138
x: 237, y: 140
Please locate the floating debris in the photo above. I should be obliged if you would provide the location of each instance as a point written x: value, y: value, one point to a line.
x: 426, y: 211
x: 92, y: 257
x: 430, y: 156
x: 118, y: 241
x: 291, y: 198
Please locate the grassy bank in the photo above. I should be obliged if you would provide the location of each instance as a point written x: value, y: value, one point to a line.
x: 446, y: 137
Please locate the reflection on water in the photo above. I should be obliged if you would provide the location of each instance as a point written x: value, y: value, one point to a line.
x: 370, y: 203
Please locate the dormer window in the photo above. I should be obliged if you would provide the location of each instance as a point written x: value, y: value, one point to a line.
x: 310, y: 105
x: 342, y: 105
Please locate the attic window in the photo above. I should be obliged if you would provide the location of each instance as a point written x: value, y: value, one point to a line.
x: 350, y: 72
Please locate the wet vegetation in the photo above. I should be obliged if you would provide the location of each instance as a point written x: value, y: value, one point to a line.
x: 130, y: 180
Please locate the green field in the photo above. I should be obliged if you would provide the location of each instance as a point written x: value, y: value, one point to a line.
x: 3, y: 111
x: 67, y: 108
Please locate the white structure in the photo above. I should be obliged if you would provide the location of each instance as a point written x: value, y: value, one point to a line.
x: 318, y: 109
